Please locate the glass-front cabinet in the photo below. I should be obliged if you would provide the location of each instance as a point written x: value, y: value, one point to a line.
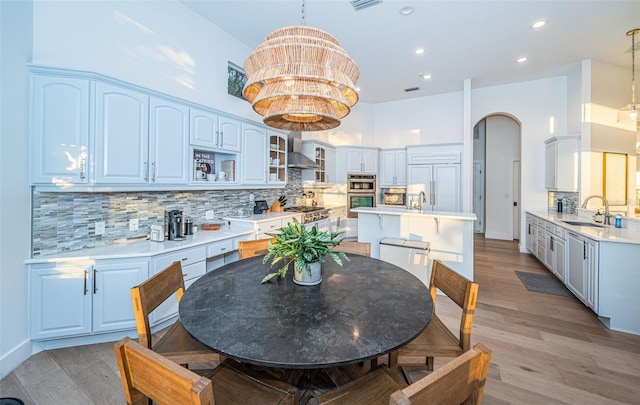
x: 277, y: 158
x: 325, y: 157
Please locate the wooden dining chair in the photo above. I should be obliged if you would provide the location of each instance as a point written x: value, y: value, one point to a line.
x: 176, y: 343
x: 437, y: 340
x: 461, y: 381
x: 251, y: 248
x: 147, y: 375
x: 356, y: 248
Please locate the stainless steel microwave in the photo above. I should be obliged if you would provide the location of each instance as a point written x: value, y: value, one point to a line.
x: 394, y: 199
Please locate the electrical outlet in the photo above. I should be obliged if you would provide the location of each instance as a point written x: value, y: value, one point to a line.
x: 99, y: 228
x: 252, y: 197
x: 133, y: 224
x: 208, y: 214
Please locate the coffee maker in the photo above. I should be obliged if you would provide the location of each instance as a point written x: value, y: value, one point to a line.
x: 173, y: 220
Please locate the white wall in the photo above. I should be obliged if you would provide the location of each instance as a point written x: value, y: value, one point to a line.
x: 422, y: 120
x: 15, y: 193
x: 161, y: 45
x: 502, y: 148
x: 532, y: 104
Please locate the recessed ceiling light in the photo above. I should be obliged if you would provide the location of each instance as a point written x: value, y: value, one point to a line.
x: 407, y: 10
x: 419, y: 51
x: 425, y: 76
x: 538, y: 24
x: 521, y: 60
x: 357, y: 88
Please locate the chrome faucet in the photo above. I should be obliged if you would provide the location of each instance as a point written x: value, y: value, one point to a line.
x: 422, y: 198
x: 607, y: 215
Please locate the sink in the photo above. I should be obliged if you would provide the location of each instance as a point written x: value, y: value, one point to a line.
x: 582, y: 223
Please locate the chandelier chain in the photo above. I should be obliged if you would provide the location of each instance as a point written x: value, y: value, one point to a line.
x: 633, y: 68
x: 302, y: 22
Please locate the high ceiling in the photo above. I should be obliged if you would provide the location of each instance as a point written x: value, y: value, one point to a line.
x: 477, y: 40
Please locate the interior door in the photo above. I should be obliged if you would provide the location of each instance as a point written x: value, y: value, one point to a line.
x: 515, y: 192
x: 478, y: 196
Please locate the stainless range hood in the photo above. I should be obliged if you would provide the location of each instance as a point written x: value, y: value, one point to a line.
x: 295, y: 158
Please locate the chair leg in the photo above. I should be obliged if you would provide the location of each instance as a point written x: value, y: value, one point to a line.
x: 393, y: 362
x: 429, y: 363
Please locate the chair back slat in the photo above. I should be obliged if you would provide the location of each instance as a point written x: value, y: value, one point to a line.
x: 462, y: 380
x: 460, y: 290
x: 150, y: 294
x: 356, y: 248
x: 147, y: 375
x: 252, y: 248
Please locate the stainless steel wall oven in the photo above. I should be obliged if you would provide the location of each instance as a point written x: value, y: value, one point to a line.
x: 361, y: 192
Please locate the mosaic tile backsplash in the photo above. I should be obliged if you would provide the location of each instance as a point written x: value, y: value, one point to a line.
x: 66, y: 221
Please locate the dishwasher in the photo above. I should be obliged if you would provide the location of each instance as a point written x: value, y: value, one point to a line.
x: 411, y: 255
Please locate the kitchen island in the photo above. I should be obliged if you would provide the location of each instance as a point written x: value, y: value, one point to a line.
x: 450, y: 234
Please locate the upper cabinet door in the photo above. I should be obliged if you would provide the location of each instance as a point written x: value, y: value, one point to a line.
x: 60, y: 118
x: 213, y: 131
x: 122, y: 118
x: 369, y: 161
x: 229, y: 134
x: 203, y: 130
x: 168, y: 142
x: 254, y: 156
x: 354, y: 161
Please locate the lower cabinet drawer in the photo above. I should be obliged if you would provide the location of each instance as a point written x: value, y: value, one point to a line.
x: 185, y: 256
x: 194, y: 270
x: 219, y: 248
x: 269, y: 226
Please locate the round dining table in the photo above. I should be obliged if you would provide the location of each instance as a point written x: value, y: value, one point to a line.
x: 360, y: 311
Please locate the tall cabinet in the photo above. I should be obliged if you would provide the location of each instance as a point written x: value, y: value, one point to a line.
x: 435, y: 171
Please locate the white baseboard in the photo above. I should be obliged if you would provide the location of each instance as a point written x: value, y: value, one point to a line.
x: 498, y: 235
x: 14, y: 358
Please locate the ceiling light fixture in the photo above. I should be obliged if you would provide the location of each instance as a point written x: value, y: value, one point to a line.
x: 538, y: 24
x: 522, y: 60
x: 408, y: 10
x: 300, y: 79
x: 419, y: 51
x: 630, y: 111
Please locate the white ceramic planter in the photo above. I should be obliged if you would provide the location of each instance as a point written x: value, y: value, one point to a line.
x: 303, y: 278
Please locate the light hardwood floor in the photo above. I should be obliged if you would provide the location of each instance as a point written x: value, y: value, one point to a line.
x: 547, y: 349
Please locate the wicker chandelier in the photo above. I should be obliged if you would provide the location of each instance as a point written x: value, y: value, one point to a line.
x: 300, y: 79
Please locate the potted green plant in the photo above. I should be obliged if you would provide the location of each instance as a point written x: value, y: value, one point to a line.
x: 305, y: 248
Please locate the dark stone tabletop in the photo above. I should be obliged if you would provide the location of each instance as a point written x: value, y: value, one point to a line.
x: 359, y: 312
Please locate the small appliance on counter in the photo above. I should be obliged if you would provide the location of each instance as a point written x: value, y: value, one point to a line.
x: 394, y: 197
x: 157, y: 233
x: 173, y: 219
x: 260, y: 207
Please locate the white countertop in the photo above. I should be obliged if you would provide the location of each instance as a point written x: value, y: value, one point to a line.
x: 607, y: 233
x: 257, y: 218
x: 386, y: 210
x: 142, y: 248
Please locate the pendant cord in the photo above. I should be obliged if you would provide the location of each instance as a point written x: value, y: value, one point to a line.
x: 633, y: 68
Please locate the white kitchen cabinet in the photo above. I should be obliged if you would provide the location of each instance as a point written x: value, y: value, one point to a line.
x: 112, y: 282
x: 361, y: 160
x: 277, y: 158
x: 122, y: 135
x: 338, y: 221
x: 168, y: 142
x: 439, y: 182
x: 562, y: 163
x: 393, y: 168
x: 139, y: 140
x: 60, y: 138
x: 325, y: 157
x: 254, y: 156
x: 559, y: 258
x: 214, y: 131
x: 70, y: 299
x: 583, y: 269
x: 532, y: 234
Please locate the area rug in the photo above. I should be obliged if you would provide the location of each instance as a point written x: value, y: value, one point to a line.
x: 543, y: 283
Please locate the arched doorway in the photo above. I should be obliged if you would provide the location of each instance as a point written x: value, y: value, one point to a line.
x: 496, y: 176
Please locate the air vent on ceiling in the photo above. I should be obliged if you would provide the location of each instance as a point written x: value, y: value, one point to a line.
x: 360, y: 4
x: 412, y: 89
